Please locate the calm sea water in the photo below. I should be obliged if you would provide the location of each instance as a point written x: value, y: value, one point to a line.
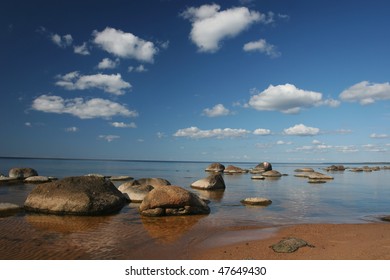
x: 349, y: 198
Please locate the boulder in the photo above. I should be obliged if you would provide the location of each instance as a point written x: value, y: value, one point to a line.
x: 261, y: 201
x: 266, y: 166
x: 135, y: 192
x: 319, y: 176
x: 22, y: 172
x: 215, y: 167
x: 37, y: 180
x: 290, y: 245
x: 272, y: 173
x: 82, y: 195
x: 231, y: 169
x: 335, y: 168
x: 155, y: 182
x: 212, y: 182
x: 172, y: 201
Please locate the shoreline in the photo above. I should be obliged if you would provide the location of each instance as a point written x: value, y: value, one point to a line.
x: 369, y: 241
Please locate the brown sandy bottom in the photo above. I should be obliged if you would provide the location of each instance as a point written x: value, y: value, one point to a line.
x: 181, y: 238
x: 331, y: 242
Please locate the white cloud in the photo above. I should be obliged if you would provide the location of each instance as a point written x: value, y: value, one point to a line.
x: 263, y: 47
x: 123, y: 125
x: 262, y: 131
x: 62, y: 41
x: 217, y: 111
x: 82, y: 49
x: 366, y: 93
x: 379, y: 136
x: 113, y: 84
x: 125, y: 45
x: 286, y: 98
x: 281, y: 142
x: 84, y: 109
x: 109, y: 138
x: 139, y: 69
x: 28, y: 124
x: 210, y: 25
x: 72, y: 129
x: 194, y: 132
x: 301, y: 130
x: 160, y: 135
x: 107, y: 63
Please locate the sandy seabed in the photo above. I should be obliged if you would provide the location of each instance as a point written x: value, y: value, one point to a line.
x: 331, y: 242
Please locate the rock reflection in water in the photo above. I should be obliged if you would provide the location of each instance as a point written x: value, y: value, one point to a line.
x: 67, y: 224
x: 169, y: 229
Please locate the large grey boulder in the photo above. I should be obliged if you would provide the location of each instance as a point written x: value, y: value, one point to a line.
x: 76, y: 196
x: 212, y: 182
x: 135, y: 192
x: 22, y: 172
x: 172, y: 201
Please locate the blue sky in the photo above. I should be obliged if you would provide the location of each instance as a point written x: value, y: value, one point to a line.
x: 239, y: 80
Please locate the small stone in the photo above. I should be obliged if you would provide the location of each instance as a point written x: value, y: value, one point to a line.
x: 261, y: 201
x: 289, y: 245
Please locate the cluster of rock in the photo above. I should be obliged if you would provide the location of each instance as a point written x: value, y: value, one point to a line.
x: 365, y: 169
x: 313, y: 176
x: 335, y: 168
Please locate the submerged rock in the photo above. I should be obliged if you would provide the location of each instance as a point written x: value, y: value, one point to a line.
x: 172, y: 201
x: 212, y: 182
x: 76, y: 196
x: 22, y: 172
x: 289, y: 245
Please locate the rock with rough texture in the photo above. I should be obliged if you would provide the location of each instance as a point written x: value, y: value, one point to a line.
x: 261, y: 201
x: 319, y: 176
x: 9, y: 209
x: 231, y: 169
x: 215, y: 167
x: 37, y: 179
x: 289, y: 245
x: 305, y: 169
x: 82, y: 195
x: 335, y: 168
x: 22, y: 172
x: 266, y: 166
x: 95, y: 175
x: 172, y: 201
x: 8, y: 180
x: 135, y: 192
x: 272, y: 173
x: 212, y: 182
x: 155, y: 182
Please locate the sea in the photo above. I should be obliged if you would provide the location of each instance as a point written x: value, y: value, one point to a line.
x: 352, y: 197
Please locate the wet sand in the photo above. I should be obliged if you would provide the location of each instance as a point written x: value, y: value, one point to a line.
x: 331, y: 242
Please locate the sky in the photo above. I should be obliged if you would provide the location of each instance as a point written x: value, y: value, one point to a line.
x: 236, y: 80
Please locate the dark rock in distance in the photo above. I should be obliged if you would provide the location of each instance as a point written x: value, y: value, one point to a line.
x: 22, y: 172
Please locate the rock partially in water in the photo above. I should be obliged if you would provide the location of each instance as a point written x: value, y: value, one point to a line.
x: 289, y: 245
x: 172, y: 201
x: 212, y: 182
x: 261, y: 201
x: 9, y: 209
x: 37, y: 179
x: 272, y: 174
x: 135, y: 192
x: 215, y: 167
x: 257, y: 177
x: 155, y: 182
x: 82, y: 195
x: 231, y: 169
x: 22, y: 172
x: 305, y: 169
x: 385, y: 218
x: 319, y: 176
x: 316, y: 181
x: 335, y: 168
x: 121, y: 178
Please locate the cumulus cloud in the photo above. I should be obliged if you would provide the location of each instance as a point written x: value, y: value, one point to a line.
x: 107, y: 63
x: 262, y: 46
x: 301, y: 130
x: 196, y: 133
x: 113, y: 84
x: 109, y: 138
x: 123, y: 125
x: 125, y: 45
x: 62, y: 41
x: 288, y: 99
x: 139, y: 69
x: 84, y: 109
x: 217, y: 111
x: 72, y: 129
x: 210, y: 25
x: 262, y: 131
x: 366, y: 93
x: 82, y: 49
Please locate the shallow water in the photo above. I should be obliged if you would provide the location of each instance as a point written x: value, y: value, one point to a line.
x: 349, y: 198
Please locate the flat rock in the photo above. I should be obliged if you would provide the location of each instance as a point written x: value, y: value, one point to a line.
x: 212, y: 182
x: 316, y: 181
x: 172, y: 201
x: 305, y: 169
x: 231, y: 169
x: 289, y: 245
x: 319, y: 176
x: 37, y: 179
x: 9, y: 209
x: 257, y: 177
x: 121, y: 178
x: 81, y: 195
x: 261, y: 201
